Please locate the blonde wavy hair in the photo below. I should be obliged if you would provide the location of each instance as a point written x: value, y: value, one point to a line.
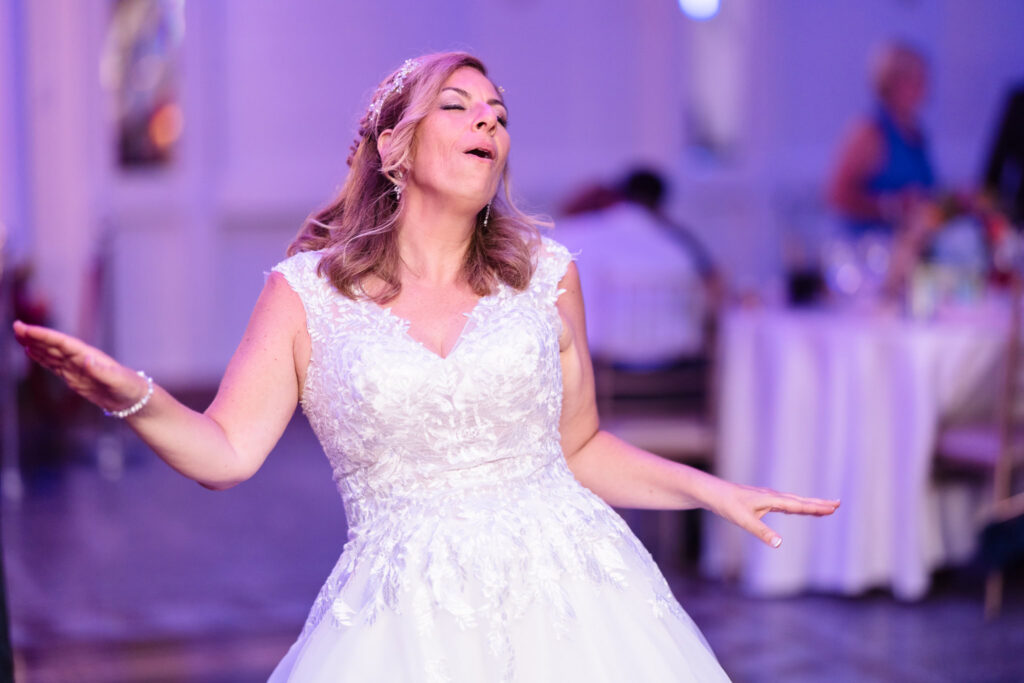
x: 358, y: 230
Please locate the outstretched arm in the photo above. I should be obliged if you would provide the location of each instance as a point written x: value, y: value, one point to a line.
x: 228, y: 442
x: 860, y: 156
x: 626, y: 476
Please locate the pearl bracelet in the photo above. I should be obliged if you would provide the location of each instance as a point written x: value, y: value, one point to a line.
x: 121, y: 414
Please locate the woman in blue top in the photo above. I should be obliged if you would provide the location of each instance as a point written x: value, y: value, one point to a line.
x: 884, y: 171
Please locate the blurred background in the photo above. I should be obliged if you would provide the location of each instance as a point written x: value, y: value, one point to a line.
x: 767, y: 299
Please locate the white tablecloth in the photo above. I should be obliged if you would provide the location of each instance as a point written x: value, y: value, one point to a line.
x: 847, y: 406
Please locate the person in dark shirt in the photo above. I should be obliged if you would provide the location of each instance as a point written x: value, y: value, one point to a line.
x: 1004, y: 172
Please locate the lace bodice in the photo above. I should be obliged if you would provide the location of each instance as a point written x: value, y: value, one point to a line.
x: 400, y: 423
x: 450, y: 468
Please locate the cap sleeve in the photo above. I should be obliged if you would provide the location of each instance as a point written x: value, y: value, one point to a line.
x: 299, y: 272
x: 553, y: 261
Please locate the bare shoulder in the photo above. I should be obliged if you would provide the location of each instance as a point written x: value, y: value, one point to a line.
x: 570, y: 307
x: 279, y: 320
x: 275, y: 348
x: 860, y: 154
x: 280, y: 300
x: 570, y: 282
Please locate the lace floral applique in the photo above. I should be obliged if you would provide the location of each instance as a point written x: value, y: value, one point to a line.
x: 461, y: 508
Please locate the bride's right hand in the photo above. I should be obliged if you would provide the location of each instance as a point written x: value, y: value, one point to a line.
x: 87, y: 371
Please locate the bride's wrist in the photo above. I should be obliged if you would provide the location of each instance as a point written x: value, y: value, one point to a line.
x: 145, y: 394
x: 710, y: 492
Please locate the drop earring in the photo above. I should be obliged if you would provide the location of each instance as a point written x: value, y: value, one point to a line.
x: 397, y: 189
x: 487, y: 214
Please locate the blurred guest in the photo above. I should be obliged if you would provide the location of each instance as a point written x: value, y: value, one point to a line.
x: 1004, y: 172
x: 884, y: 170
x: 592, y: 197
x: 884, y: 177
x: 647, y: 189
x: 650, y: 282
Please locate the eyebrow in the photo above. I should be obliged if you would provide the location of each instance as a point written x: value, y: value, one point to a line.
x: 466, y: 95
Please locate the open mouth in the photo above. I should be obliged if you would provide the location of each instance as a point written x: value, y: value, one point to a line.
x: 482, y: 153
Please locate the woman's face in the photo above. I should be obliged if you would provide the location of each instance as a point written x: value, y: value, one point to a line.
x: 909, y: 89
x: 461, y: 146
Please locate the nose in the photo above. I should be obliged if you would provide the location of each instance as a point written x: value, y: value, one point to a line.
x: 486, y: 119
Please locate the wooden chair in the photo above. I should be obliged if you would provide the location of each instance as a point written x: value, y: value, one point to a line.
x: 994, y: 449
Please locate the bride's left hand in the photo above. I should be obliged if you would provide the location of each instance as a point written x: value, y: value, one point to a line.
x: 746, y: 505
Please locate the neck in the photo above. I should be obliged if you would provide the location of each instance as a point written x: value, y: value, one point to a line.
x: 433, y: 237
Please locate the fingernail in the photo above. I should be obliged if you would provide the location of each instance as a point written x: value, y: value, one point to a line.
x: 777, y: 541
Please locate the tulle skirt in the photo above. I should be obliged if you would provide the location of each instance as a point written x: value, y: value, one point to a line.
x: 612, y: 633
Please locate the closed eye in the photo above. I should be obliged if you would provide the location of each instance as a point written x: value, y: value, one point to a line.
x: 503, y: 120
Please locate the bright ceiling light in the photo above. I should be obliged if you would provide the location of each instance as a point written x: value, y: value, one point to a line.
x: 700, y: 9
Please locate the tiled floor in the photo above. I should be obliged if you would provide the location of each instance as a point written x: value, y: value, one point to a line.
x: 153, y: 578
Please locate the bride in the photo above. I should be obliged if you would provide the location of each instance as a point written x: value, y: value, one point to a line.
x: 435, y: 342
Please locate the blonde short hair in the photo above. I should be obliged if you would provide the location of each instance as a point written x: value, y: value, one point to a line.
x: 892, y: 62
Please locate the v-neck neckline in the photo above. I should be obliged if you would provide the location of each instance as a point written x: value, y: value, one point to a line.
x: 404, y: 325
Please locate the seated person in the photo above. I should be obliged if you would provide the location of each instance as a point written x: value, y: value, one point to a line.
x: 648, y: 282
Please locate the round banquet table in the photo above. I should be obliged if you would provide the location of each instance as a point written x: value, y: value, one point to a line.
x: 848, y: 405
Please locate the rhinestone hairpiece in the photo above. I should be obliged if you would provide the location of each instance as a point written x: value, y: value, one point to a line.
x: 394, y: 86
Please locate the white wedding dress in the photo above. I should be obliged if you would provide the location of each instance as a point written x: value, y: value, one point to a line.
x: 474, y: 555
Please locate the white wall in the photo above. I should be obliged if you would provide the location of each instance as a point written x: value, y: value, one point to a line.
x: 13, y: 202
x: 272, y: 92
x: 589, y: 84
x: 55, y: 178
